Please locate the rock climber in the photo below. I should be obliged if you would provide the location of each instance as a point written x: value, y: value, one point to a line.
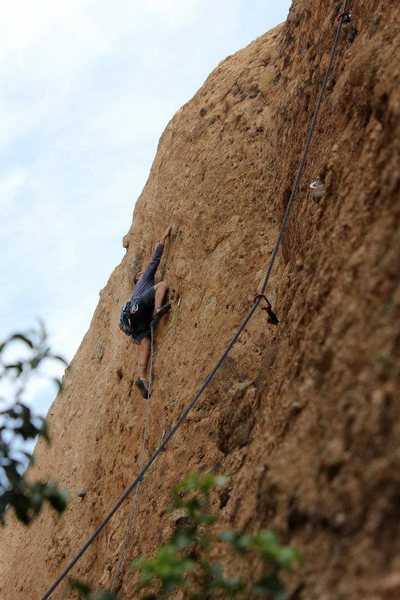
x: 146, y: 305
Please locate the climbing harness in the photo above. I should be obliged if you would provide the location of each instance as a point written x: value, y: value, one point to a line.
x: 272, y: 318
x: 134, y: 484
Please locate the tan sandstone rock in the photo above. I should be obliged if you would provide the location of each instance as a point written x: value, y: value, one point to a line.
x: 303, y: 417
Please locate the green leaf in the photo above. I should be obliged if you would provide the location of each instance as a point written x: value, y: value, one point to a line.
x: 58, y: 383
x: 5, y: 499
x: 58, y: 501
x: 85, y: 591
x: 82, y: 588
x: 25, y: 498
x: 22, y: 506
x: 271, y: 550
x: 29, y: 456
x: 271, y: 585
x: 11, y: 413
x: 11, y: 472
x: 184, y: 538
x: 35, y: 362
x: 220, y: 582
x: 221, y: 481
x: 37, y: 497
x: 167, y: 566
x: 44, y: 430
x: 18, y: 366
x: 27, y: 429
x: 60, y: 358
x: 239, y: 541
x: 230, y: 537
x: 22, y: 338
x: 102, y: 596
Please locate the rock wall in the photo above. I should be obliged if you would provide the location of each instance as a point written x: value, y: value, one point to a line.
x: 303, y: 417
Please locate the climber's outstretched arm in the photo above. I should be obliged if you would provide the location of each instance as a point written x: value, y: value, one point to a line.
x: 166, y: 235
x: 155, y: 260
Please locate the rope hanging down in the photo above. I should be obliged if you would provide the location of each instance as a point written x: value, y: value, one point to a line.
x: 344, y: 18
x: 141, y: 462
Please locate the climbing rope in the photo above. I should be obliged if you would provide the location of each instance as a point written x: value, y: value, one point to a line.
x: 152, y: 326
x: 133, y: 506
x: 343, y: 18
x: 141, y: 462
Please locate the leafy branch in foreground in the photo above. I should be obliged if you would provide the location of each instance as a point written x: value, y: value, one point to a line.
x: 18, y: 425
x: 186, y: 563
x: 86, y: 592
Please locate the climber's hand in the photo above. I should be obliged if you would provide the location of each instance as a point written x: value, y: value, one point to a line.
x: 167, y: 233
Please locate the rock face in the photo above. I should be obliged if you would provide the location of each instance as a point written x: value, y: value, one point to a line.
x: 303, y: 417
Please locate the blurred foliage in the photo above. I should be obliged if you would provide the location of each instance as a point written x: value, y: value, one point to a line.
x: 184, y: 569
x: 186, y: 562
x: 18, y: 425
x: 86, y: 592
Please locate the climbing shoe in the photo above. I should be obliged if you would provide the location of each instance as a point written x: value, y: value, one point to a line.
x: 143, y: 387
x: 159, y: 312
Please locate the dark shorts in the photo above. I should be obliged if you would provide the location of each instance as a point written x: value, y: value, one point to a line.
x: 146, y: 305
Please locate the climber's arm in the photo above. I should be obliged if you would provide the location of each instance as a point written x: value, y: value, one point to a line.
x: 166, y: 235
x: 155, y: 260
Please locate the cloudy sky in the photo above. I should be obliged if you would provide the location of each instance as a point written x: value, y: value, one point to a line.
x: 86, y: 89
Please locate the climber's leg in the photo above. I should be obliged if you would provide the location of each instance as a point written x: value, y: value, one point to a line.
x: 144, y: 355
x: 143, y: 361
x: 161, y: 290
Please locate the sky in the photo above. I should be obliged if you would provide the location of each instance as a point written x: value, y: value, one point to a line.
x: 86, y: 89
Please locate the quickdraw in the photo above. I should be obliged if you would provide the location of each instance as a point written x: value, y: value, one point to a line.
x: 272, y: 318
x: 345, y: 17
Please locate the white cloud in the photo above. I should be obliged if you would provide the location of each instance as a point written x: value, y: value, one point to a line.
x: 10, y: 185
x: 41, y: 25
x: 174, y: 12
